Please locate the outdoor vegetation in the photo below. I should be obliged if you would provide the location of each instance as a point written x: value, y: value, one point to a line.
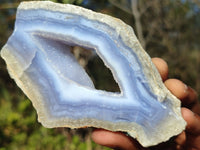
x: 169, y: 29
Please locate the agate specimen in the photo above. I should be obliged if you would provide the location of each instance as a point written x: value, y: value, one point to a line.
x: 38, y: 58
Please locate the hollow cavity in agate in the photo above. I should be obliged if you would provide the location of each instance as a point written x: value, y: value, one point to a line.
x: 38, y: 57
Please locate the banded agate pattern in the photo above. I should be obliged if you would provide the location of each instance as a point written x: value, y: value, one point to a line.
x: 38, y: 58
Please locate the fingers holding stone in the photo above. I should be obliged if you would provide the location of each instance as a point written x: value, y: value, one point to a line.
x: 162, y: 67
x: 193, y: 121
x: 192, y: 129
x: 177, y: 88
x: 191, y: 101
x: 190, y: 138
x: 186, y: 94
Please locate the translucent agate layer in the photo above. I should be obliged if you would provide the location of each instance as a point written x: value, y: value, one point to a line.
x: 38, y: 58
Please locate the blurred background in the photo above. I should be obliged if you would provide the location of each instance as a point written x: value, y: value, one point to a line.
x: 169, y: 29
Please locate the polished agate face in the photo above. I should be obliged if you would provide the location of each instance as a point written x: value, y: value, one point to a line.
x: 38, y: 57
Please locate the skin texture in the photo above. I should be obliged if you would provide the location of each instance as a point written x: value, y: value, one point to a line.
x: 187, y: 140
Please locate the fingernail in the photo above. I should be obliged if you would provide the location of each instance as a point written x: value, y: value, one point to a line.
x: 185, y: 88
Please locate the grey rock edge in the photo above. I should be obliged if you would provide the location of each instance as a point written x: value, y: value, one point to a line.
x: 166, y: 129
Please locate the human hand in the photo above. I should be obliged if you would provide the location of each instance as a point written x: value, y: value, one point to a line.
x: 187, y: 140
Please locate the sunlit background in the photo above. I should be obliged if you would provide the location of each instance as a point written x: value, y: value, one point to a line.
x: 169, y: 29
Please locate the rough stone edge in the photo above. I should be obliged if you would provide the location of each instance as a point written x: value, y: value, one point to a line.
x: 128, y: 37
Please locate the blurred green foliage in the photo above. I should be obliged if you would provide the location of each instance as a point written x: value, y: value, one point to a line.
x: 170, y: 29
x: 19, y: 128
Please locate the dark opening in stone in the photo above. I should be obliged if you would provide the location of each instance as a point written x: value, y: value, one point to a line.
x: 94, y: 66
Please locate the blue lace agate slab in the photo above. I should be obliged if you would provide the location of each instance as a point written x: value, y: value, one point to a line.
x: 38, y: 58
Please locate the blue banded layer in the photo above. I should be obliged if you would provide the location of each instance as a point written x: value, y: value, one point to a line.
x: 40, y: 45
